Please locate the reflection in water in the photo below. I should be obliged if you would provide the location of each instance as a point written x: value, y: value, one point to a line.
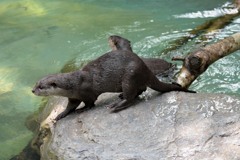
x: 40, y: 37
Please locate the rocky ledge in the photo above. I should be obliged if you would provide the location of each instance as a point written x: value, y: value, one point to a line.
x: 173, y: 125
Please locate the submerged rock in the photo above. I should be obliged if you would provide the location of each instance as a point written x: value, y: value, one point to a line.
x: 174, y: 125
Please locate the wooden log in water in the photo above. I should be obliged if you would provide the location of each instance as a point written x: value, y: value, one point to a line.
x: 198, y: 61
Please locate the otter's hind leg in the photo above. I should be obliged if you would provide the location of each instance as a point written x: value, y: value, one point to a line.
x: 139, y: 93
x: 130, y: 93
x: 72, y: 105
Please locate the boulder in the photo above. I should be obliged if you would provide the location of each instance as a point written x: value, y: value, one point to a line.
x: 174, y: 125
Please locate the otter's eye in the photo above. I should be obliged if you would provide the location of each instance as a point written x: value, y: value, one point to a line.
x: 40, y: 87
x: 54, y: 85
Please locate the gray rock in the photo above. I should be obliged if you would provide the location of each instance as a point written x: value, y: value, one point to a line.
x: 174, y: 125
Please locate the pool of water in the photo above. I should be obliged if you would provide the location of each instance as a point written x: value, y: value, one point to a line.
x: 39, y: 37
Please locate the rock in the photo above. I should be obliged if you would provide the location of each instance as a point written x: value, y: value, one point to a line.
x: 173, y: 125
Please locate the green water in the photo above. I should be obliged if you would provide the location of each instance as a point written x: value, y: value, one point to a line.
x: 38, y: 37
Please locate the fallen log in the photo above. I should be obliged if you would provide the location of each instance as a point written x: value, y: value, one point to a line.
x: 237, y: 3
x: 198, y: 61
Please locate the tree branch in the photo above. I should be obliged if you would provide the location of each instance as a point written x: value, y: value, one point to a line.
x: 198, y: 61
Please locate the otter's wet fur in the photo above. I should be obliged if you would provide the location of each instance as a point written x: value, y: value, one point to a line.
x: 116, y: 71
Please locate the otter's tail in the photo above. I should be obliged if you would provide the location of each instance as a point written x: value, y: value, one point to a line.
x: 159, y: 86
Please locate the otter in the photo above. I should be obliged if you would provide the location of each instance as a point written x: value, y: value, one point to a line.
x: 156, y: 65
x: 116, y: 71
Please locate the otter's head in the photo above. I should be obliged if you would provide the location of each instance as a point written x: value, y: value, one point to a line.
x: 119, y: 43
x: 52, y: 85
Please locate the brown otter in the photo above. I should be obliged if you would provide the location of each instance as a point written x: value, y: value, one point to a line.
x: 156, y: 65
x: 115, y: 71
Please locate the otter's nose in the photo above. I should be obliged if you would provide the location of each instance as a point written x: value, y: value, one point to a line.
x: 33, y: 91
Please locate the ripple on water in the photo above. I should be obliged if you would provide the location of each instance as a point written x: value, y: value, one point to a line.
x: 227, y: 8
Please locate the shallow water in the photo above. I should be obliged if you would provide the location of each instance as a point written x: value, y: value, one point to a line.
x: 39, y: 37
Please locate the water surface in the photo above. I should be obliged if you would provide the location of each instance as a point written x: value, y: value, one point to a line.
x: 39, y: 37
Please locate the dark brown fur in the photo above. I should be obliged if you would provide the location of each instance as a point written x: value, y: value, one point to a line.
x: 116, y: 71
x: 156, y: 65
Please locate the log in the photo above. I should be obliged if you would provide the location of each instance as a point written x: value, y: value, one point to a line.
x: 237, y: 3
x: 198, y: 61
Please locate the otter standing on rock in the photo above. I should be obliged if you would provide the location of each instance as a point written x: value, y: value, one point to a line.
x: 156, y: 65
x: 116, y: 71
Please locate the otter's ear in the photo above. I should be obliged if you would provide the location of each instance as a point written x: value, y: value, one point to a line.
x: 53, y: 85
